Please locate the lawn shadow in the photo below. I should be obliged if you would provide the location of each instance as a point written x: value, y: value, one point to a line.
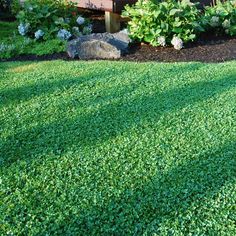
x: 109, y: 121
x: 181, y: 194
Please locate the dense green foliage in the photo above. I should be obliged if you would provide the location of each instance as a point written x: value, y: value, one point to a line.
x: 12, y: 44
x: 153, y: 19
x: 161, y: 23
x: 48, y: 17
x: 7, y: 30
x: 221, y: 17
x: 97, y: 148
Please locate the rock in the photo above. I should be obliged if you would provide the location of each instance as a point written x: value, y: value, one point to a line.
x: 95, y: 49
x: 99, y: 46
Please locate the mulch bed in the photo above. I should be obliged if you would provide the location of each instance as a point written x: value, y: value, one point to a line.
x: 207, y: 48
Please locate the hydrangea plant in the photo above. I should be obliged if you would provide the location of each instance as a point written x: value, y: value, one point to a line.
x: 177, y: 43
x: 49, y: 19
x: 162, y: 23
x: 23, y: 28
x: 38, y: 34
x: 80, y: 20
x: 63, y: 34
x: 161, y: 41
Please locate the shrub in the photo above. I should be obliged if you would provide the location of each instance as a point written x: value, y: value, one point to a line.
x: 221, y: 17
x: 28, y: 46
x: 163, y: 23
x: 47, y: 19
x: 16, y: 6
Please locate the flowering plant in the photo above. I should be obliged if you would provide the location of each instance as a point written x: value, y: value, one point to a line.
x: 221, y: 17
x: 177, y: 43
x: 164, y: 22
x: 47, y: 19
x: 63, y: 34
x: 23, y: 28
x: 38, y: 34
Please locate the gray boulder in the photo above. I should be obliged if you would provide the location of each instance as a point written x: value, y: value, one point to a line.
x: 99, y: 46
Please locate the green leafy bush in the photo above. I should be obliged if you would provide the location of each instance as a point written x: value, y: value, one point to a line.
x: 23, y: 46
x: 16, y: 6
x: 163, y: 23
x: 221, y: 17
x: 47, y: 19
x: 12, y: 44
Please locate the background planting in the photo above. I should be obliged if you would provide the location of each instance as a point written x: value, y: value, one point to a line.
x: 163, y: 23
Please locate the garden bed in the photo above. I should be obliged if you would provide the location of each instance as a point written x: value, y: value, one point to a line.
x: 207, y: 48
x: 217, y: 50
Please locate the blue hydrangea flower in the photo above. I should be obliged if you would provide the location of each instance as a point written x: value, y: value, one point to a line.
x: 63, y: 34
x: 80, y: 20
x: 38, y: 34
x: 23, y: 28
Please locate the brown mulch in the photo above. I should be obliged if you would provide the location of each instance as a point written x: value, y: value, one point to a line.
x: 215, y: 49
x: 208, y: 48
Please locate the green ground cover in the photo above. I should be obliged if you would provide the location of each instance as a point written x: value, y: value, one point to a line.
x: 12, y: 44
x: 118, y: 148
x: 7, y: 29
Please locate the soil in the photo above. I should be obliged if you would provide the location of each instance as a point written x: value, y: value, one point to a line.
x: 208, y: 48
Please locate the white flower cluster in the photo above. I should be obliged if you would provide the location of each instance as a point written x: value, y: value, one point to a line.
x: 80, y: 20
x: 38, y: 34
x: 177, y: 43
x: 63, y: 34
x: 87, y: 29
x: 161, y: 41
x: 226, y: 24
x: 215, y: 21
x: 23, y: 28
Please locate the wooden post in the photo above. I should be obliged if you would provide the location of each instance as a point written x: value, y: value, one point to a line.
x: 112, y: 21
